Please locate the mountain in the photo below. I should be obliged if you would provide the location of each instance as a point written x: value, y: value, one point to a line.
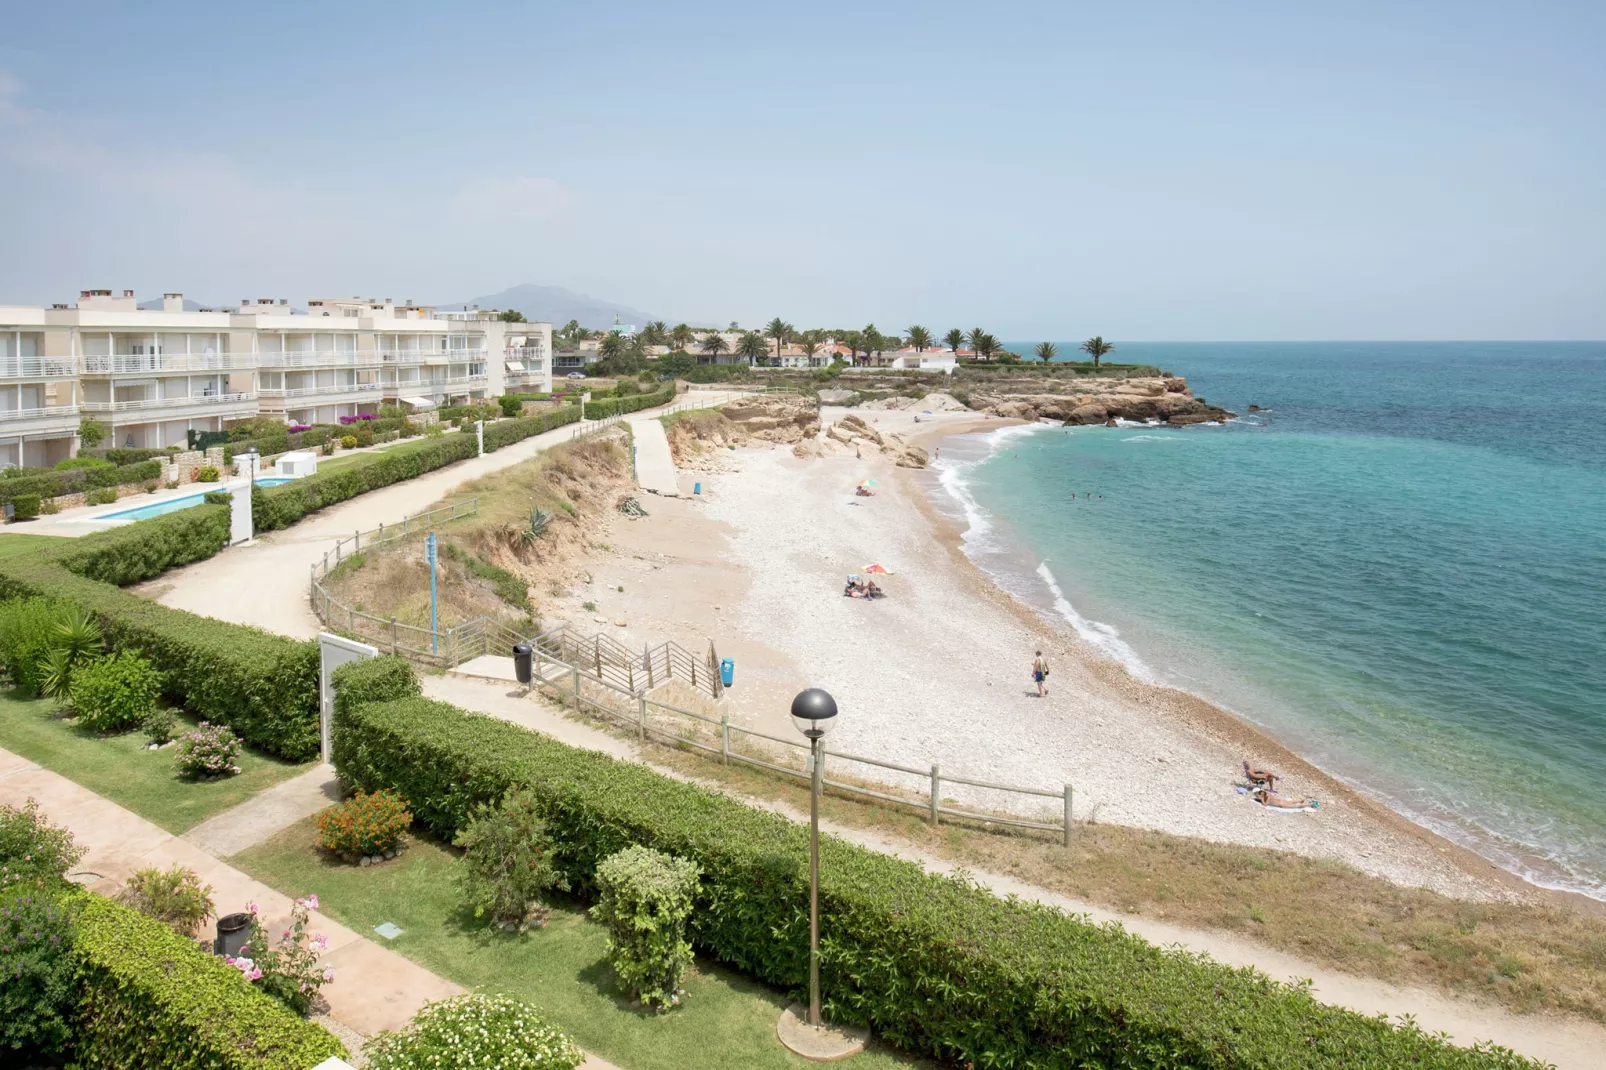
x: 557, y: 306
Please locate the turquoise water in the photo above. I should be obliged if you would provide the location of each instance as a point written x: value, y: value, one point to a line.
x: 173, y: 505
x: 1399, y: 569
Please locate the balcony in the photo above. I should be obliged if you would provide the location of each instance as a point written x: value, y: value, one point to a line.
x: 331, y: 393
x: 37, y: 368
x: 157, y: 363
x: 227, y: 406
x: 442, y: 356
x: 49, y: 420
x: 332, y: 358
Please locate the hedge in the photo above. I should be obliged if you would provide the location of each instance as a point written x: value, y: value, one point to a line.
x: 599, y: 410
x: 270, y: 444
x: 506, y: 432
x: 936, y: 965
x: 261, y: 685
x: 153, y: 999
x: 51, y: 483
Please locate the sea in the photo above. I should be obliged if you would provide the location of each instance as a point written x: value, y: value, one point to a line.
x: 1397, y: 567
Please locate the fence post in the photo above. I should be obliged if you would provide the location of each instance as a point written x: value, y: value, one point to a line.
x: 641, y: 703
x: 725, y: 739
x: 393, y: 635
x: 404, y: 527
x: 351, y: 620
x: 1067, y: 815
x: 596, y: 652
x: 936, y: 795
x: 356, y: 542
x: 576, y: 672
x: 646, y: 657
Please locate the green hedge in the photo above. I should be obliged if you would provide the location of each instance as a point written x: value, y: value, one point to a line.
x: 936, y: 965
x: 51, y: 483
x: 506, y: 432
x: 153, y: 999
x: 261, y: 685
x: 599, y: 410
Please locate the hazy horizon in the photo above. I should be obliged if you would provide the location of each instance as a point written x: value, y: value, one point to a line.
x: 1155, y: 171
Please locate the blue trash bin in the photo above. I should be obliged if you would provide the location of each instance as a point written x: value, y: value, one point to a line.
x: 696, y: 488
x: 727, y: 671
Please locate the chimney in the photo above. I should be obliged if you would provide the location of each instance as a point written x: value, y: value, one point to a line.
x: 172, y: 302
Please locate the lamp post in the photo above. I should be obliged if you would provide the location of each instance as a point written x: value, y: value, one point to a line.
x: 813, y: 712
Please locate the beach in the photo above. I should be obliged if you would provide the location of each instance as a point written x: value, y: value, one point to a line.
x: 939, y: 671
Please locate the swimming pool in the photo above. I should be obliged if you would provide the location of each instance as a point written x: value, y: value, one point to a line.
x: 173, y: 505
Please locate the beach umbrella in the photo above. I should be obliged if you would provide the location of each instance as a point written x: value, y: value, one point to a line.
x: 866, y: 482
x: 880, y: 570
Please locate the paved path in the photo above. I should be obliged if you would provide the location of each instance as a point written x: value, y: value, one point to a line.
x: 655, y: 466
x: 262, y: 815
x: 1567, y: 1042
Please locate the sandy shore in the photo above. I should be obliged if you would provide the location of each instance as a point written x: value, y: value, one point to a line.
x: 939, y: 671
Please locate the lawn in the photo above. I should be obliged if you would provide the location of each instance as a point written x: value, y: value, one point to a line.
x: 122, y: 770
x: 726, y: 1021
x: 14, y: 543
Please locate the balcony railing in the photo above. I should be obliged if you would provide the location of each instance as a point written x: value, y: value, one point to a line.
x: 330, y: 358
x: 188, y: 401
x: 441, y: 356
x: 332, y: 391
x: 38, y: 368
x: 63, y: 418
x: 148, y: 363
x: 436, y: 385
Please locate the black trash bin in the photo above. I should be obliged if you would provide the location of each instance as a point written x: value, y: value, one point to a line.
x: 521, y: 662
x: 233, y: 930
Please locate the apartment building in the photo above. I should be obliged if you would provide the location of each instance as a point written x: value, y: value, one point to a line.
x: 151, y: 375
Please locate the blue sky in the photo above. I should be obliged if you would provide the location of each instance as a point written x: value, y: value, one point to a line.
x: 1140, y: 170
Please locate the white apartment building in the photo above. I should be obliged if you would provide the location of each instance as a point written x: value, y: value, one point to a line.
x: 152, y: 375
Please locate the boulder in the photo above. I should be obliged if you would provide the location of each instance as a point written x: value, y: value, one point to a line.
x: 1091, y: 413
x: 857, y: 426
x: 911, y: 457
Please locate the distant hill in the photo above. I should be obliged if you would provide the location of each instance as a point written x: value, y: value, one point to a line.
x: 557, y: 306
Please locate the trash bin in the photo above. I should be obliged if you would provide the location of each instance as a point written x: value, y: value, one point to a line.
x: 696, y: 488
x: 727, y: 671
x: 521, y: 662
x: 233, y: 930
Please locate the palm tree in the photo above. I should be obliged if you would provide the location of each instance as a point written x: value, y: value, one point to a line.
x: 1097, y: 348
x: 713, y: 344
x: 1046, y: 351
x: 810, y: 347
x: 572, y: 332
x: 919, y: 337
x: 655, y: 333
x: 752, y: 346
x: 612, y: 346
x: 780, y: 331
x: 985, y: 346
x: 681, y: 336
x: 954, y: 339
x: 855, y: 342
x: 874, y: 341
x: 974, y: 337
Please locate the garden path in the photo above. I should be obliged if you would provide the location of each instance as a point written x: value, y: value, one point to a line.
x: 655, y: 465
x: 266, y: 813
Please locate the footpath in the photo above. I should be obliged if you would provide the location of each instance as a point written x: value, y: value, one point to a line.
x: 655, y: 465
x: 1569, y: 1043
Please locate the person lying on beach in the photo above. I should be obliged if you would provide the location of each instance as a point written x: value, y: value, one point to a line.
x: 1266, y: 798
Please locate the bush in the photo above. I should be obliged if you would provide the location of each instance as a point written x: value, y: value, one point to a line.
x: 217, y: 497
x: 935, y: 964
x: 645, y: 897
x: 209, y: 751
x: 153, y: 999
x: 27, y: 632
x: 511, y: 404
x: 348, y: 442
x: 100, y: 496
x: 38, y: 995
x: 33, y: 852
x: 51, y: 483
x: 365, y: 824
x: 175, y: 897
x: 91, y: 432
x: 160, y: 725
x: 82, y: 462
x: 25, y: 506
x: 115, y: 693
x: 207, y: 474
x: 288, y: 970
x: 471, y: 1032
x: 506, y: 865
x: 598, y: 410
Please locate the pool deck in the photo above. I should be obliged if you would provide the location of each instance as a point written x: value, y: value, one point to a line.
x: 88, y: 519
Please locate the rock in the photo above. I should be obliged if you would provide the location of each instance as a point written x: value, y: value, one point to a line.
x: 809, y: 448
x: 940, y: 402
x: 620, y: 624
x: 1111, y: 423
x: 836, y: 433
x: 389, y: 855
x: 1183, y: 419
x: 1091, y: 413
x: 366, y: 861
x: 857, y: 426
x: 911, y: 457
x: 1254, y: 408
x: 835, y: 397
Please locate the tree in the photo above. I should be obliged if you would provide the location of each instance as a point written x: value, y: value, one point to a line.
x: 511, y: 315
x: 91, y: 432
x: 855, y: 342
x: 954, y: 340
x: 920, y: 338
x: 810, y: 347
x: 985, y: 346
x: 655, y: 333
x: 612, y: 347
x: 681, y: 336
x: 779, y: 330
x: 713, y: 344
x: 1046, y: 351
x: 1097, y: 348
x: 753, y: 346
x: 975, y: 335
x: 874, y: 340
x: 572, y: 332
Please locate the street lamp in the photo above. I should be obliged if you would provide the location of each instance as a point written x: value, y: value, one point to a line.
x: 813, y: 712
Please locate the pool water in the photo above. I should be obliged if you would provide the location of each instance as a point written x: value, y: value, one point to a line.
x: 173, y: 505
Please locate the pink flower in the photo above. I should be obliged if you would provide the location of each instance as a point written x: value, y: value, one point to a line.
x: 328, y: 975
x: 252, y: 907
x: 312, y: 901
x: 256, y: 975
x: 321, y: 940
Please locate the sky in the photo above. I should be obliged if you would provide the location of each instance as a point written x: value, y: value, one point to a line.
x: 1140, y: 170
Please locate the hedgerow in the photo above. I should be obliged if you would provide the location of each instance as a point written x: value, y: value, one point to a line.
x: 506, y: 432
x: 936, y: 965
x: 599, y: 410
x: 50, y: 483
x: 153, y: 999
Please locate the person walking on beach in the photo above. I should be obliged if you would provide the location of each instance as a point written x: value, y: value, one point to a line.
x: 1040, y: 674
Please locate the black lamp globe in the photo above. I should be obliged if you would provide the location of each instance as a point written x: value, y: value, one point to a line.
x: 813, y: 712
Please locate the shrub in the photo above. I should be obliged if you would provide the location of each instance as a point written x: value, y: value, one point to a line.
x: 175, y: 897
x: 288, y: 970
x: 82, y: 462
x: 645, y: 897
x: 38, y: 993
x: 217, y: 497
x: 100, y: 496
x: 160, y: 725
x: 154, y: 999
x: 25, y: 506
x: 91, y: 432
x: 473, y: 1031
x: 348, y: 442
x: 207, y: 474
x: 365, y: 824
x: 511, y: 404
x: 597, y: 410
x: 506, y: 865
x: 26, y: 629
x: 212, y: 750
x: 33, y: 852
x: 935, y: 964
x: 115, y: 693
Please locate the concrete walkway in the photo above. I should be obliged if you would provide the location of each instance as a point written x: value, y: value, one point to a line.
x: 1565, y: 1041
x: 655, y: 465
x: 263, y: 815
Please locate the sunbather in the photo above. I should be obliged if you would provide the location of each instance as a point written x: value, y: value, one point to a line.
x: 1266, y: 798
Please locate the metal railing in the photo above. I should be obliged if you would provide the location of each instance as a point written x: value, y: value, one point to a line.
x: 158, y: 363
x: 37, y: 368
x: 314, y: 391
x: 181, y: 402
x: 321, y: 358
x: 612, y: 663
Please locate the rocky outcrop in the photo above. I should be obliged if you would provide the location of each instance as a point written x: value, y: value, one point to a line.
x: 784, y: 418
x: 1099, y: 401
x: 854, y: 432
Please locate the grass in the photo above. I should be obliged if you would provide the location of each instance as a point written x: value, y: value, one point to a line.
x: 12, y: 544
x: 122, y: 770
x: 725, y: 1021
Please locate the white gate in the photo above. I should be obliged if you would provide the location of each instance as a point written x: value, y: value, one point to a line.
x: 333, y: 652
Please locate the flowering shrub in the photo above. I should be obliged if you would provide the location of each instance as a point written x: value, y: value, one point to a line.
x: 38, y: 997
x: 475, y: 1031
x: 296, y: 429
x: 175, y: 897
x: 33, y: 851
x: 288, y: 970
x: 210, y: 750
x: 364, y: 824
x: 348, y: 420
x: 114, y: 693
x: 645, y: 897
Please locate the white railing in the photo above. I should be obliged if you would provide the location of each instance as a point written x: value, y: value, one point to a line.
x: 47, y: 417
x: 332, y: 391
x: 434, y: 356
x: 187, y: 401
x: 38, y: 368
x: 147, y: 363
x: 330, y: 358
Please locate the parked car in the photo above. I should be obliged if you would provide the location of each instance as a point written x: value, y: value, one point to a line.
x: 575, y: 375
